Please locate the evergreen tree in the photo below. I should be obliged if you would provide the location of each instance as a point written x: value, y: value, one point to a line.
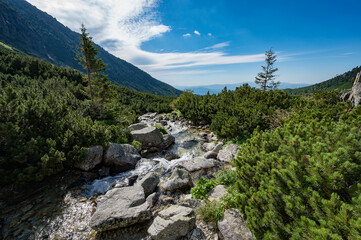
x: 87, y: 57
x: 267, y: 78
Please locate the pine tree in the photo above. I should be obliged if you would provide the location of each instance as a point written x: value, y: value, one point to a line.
x: 267, y: 78
x: 87, y: 57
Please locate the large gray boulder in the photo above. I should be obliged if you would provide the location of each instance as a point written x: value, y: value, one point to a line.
x: 137, y: 126
x: 149, y: 182
x: 119, y: 208
x: 93, y: 157
x: 197, y: 164
x: 149, y: 136
x: 233, y: 227
x: 217, y: 193
x: 228, y: 153
x: 355, y: 96
x: 121, y: 157
x: 179, y: 180
x: 172, y: 223
x: 210, y: 155
x: 168, y: 140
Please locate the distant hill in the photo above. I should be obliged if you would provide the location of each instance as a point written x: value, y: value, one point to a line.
x: 340, y: 82
x: 38, y: 34
x: 217, y: 88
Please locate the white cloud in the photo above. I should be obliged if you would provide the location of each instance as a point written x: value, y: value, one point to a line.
x: 187, y: 35
x: 219, y: 45
x: 196, y: 32
x: 209, y: 34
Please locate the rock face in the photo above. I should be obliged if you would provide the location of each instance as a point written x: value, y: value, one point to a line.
x: 355, y: 96
x: 210, y: 155
x: 149, y: 182
x: 93, y: 157
x: 172, y: 223
x: 180, y: 179
x: 167, y: 142
x: 137, y: 126
x: 196, y: 164
x: 233, y: 227
x: 227, y: 154
x: 149, y: 136
x: 121, y: 157
x: 217, y: 193
x: 120, y: 207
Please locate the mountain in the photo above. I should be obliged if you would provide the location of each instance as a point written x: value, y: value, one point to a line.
x: 217, y: 88
x: 340, y: 82
x: 38, y: 34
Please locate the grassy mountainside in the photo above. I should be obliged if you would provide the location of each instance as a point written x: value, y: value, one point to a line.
x: 36, y: 33
x: 340, y: 82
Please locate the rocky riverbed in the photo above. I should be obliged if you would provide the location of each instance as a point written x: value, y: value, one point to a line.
x: 145, y: 197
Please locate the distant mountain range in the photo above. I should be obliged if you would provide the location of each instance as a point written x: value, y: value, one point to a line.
x: 340, y: 82
x: 217, y: 88
x: 38, y: 34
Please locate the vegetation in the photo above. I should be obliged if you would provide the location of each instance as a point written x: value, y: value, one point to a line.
x: 266, y: 79
x: 161, y: 129
x: 203, y: 187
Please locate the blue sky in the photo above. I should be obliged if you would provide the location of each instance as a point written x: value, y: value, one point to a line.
x: 184, y: 42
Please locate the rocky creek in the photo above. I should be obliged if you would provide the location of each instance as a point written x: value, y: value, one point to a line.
x: 133, y: 204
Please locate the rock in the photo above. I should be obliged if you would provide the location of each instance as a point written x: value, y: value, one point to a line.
x: 93, y: 157
x: 152, y: 199
x: 149, y: 182
x: 214, y: 139
x: 132, y: 179
x: 208, y: 146
x: 119, y: 208
x: 188, y: 143
x: 203, y: 134
x: 169, y: 155
x: 172, y: 223
x: 227, y: 154
x: 137, y: 126
x: 233, y: 227
x: 104, y: 172
x: 149, y: 136
x: 121, y: 157
x: 210, y: 155
x: 355, y: 95
x: 164, y: 122
x: 196, y: 234
x: 167, y: 142
x: 196, y: 164
x: 218, y: 147
x: 180, y: 179
x: 217, y: 193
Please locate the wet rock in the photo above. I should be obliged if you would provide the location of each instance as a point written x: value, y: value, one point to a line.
x: 172, y: 223
x: 149, y: 136
x: 210, y: 155
x: 119, y: 208
x: 217, y: 193
x: 164, y: 122
x: 233, y: 227
x: 169, y: 155
x: 228, y: 153
x: 93, y: 157
x: 167, y: 142
x: 152, y: 199
x: 104, y: 172
x: 132, y: 179
x: 137, y: 126
x: 121, y: 157
x: 188, y: 143
x: 179, y: 180
x: 149, y: 182
x: 197, y: 164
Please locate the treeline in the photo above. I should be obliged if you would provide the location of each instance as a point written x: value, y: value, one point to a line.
x: 298, y: 174
x: 47, y: 118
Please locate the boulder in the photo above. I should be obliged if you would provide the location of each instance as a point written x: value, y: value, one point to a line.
x: 197, y: 164
x: 188, y: 143
x: 152, y: 199
x: 119, y: 208
x: 208, y: 146
x: 217, y: 193
x: 233, y: 227
x: 355, y: 96
x: 93, y: 157
x: 228, y: 153
x: 172, y: 223
x: 149, y: 182
x: 218, y: 147
x: 137, y: 126
x: 169, y: 155
x: 210, y: 155
x: 180, y: 179
x: 168, y: 140
x: 149, y: 136
x: 121, y: 157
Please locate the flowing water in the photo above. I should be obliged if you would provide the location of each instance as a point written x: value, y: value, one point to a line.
x: 58, y: 212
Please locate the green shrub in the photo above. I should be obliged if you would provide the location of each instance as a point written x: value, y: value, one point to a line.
x: 202, y: 188
x: 226, y: 177
x: 137, y: 145
x: 161, y: 129
x: 212, y: 212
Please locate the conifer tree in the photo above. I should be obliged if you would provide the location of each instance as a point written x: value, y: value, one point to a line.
x: 266, y: 79
x: 87, y: 57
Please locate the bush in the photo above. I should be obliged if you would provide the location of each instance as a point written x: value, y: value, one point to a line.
x: 161, y: 129
x: 226, y: 177
x: 137, y: 145
x: 212, y: 212
x: 202, y: 188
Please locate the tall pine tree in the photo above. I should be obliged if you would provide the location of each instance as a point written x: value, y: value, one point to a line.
x: 267, y: 78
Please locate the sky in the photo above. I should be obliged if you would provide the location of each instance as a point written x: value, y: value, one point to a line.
x: 203, y: 42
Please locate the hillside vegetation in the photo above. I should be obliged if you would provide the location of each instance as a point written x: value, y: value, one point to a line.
x: 47, y: 119
x: 36, y: 33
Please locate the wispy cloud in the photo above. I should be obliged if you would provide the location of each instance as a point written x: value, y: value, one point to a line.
x: 187, y: 35
x: 209, y: 34
x: 196, y: 32
x: 219, y: 45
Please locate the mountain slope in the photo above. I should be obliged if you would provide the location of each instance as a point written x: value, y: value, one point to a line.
x: 340, y: 82
x: 36, y: 33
